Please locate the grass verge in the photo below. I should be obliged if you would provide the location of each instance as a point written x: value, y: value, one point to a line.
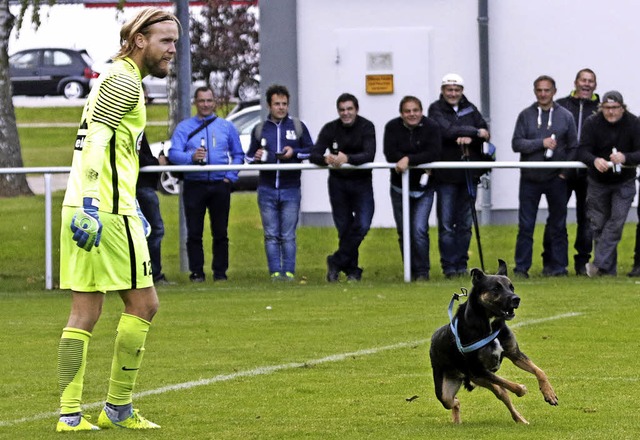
x: 253, y: 359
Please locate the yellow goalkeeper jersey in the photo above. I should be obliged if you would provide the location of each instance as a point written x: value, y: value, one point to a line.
x: 105, y: 157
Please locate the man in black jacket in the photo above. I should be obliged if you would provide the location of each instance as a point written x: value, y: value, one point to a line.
x: 582, y: 102
x: 350, y: 139
x: 611, y: 135
x: 409, y: 140
x: 150, y: 206
x: 463, y: 131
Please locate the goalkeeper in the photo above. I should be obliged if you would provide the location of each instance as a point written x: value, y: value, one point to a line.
x: 102, y: 242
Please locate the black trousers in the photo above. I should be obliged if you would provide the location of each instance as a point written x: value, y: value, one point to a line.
x: 583, y: 243
x: 198, y: 197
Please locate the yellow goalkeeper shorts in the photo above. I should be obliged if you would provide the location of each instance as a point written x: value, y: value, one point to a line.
x: 120, y: 262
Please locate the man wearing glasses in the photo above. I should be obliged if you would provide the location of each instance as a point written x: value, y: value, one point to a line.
x: 610, y: 147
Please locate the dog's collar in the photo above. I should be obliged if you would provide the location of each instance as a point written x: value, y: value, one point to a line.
x: 453, y: 324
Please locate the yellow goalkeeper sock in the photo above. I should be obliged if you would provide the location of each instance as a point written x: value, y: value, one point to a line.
x: 127, y: 357
x: 72, y: 360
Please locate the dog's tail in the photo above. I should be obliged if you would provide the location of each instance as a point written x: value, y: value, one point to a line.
x: 467, y: 384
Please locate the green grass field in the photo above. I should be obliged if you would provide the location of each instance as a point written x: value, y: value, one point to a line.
x: 251, y: 359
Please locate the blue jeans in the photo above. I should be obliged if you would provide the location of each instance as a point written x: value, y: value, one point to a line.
x: 279, y: 209
x: 150, y: 207
x: 555, y: 253
x: 454, y: 226
x: 352, y: 207
x: 419, y: 211
x: 200, y: 196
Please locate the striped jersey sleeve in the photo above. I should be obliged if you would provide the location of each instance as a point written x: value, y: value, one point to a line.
x: 119, y: 94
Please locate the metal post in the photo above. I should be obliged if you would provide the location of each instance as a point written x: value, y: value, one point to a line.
x: 183, y: 67
x: 48, y: 247
x: 406, y: 228
x: 485, y: 98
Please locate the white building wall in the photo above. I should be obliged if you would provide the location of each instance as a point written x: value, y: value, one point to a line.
x: 527, y: 39
x: 554, y: 37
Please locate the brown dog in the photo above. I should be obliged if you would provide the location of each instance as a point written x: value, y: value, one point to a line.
x: 470, y: 349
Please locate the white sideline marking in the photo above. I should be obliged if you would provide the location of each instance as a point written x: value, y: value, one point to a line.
x: 550, y: 318
x: 270, y: 369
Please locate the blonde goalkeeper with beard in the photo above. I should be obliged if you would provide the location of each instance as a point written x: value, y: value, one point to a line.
x: 102, y: 242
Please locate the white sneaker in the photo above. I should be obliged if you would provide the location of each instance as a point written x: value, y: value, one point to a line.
x: 592, y: 271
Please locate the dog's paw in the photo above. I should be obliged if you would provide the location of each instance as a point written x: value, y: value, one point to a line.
x: 549, y: 394
x: 551, y: 398
x: 521, y: 391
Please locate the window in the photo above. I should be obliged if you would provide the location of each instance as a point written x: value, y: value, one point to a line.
x: 56, y: 58
x: 27, y: 60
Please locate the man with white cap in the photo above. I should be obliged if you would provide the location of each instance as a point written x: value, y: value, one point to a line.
x: 463, y: 131
x: 610, y: 139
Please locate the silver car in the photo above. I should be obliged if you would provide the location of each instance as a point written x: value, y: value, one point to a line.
x: 244, y: 121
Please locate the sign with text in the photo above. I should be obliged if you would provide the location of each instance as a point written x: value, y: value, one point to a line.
x: 379, y: 84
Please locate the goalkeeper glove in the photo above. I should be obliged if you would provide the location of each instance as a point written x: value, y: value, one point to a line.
x: 86, y: 225
x: 146, y: 226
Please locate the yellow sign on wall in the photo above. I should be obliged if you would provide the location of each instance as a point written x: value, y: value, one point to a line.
x: 379, y: 84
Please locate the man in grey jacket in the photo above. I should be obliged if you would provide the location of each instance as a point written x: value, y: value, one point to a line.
x: 544, y: 131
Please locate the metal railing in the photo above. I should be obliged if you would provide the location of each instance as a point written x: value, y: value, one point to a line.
x: 47, y: 172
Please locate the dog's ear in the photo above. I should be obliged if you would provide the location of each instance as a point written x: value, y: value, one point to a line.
x: 476, y: 275
x: 502, y: 268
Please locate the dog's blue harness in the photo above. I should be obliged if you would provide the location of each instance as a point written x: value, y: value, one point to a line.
x: 453, y: 324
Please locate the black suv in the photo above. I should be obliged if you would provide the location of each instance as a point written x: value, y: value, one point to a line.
x: 51, y: 71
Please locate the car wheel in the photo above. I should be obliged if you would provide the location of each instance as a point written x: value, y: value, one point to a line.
x: 169, y: 184
x: 73, y: 90
x: 248, y: 90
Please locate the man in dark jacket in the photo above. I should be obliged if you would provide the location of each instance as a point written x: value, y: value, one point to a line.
x: 611, y: 135
x: 409, y: 140
x: 582, y: 102
x: 146, y: 188
x: 279, y: 191
x: 463, y: 131
x: 350, y: 139
x: 543, y: 131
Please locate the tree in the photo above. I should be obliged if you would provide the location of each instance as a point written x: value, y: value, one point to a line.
x: 224, y: 46
x: 10, y: 153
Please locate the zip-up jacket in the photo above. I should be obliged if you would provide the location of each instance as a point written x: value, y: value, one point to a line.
x: 599, y: 137
x: 421, y: 144
x: 532, y: 127
x: 279, y: 135
x: 221, y: 140
x: 463, y: 123
x: 357, y: 141
x: 581, y: 109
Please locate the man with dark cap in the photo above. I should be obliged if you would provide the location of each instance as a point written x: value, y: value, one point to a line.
x: 610, y: 139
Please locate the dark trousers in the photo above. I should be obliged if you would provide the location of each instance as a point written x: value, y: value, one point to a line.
x: 215, y: 197
x: 555, y: 254
x: 352, y: 207
x: 636, y: 250
x: 583, y: 243
x: 455, y: 221
x: 150, y: 207
x: 608, y: 207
